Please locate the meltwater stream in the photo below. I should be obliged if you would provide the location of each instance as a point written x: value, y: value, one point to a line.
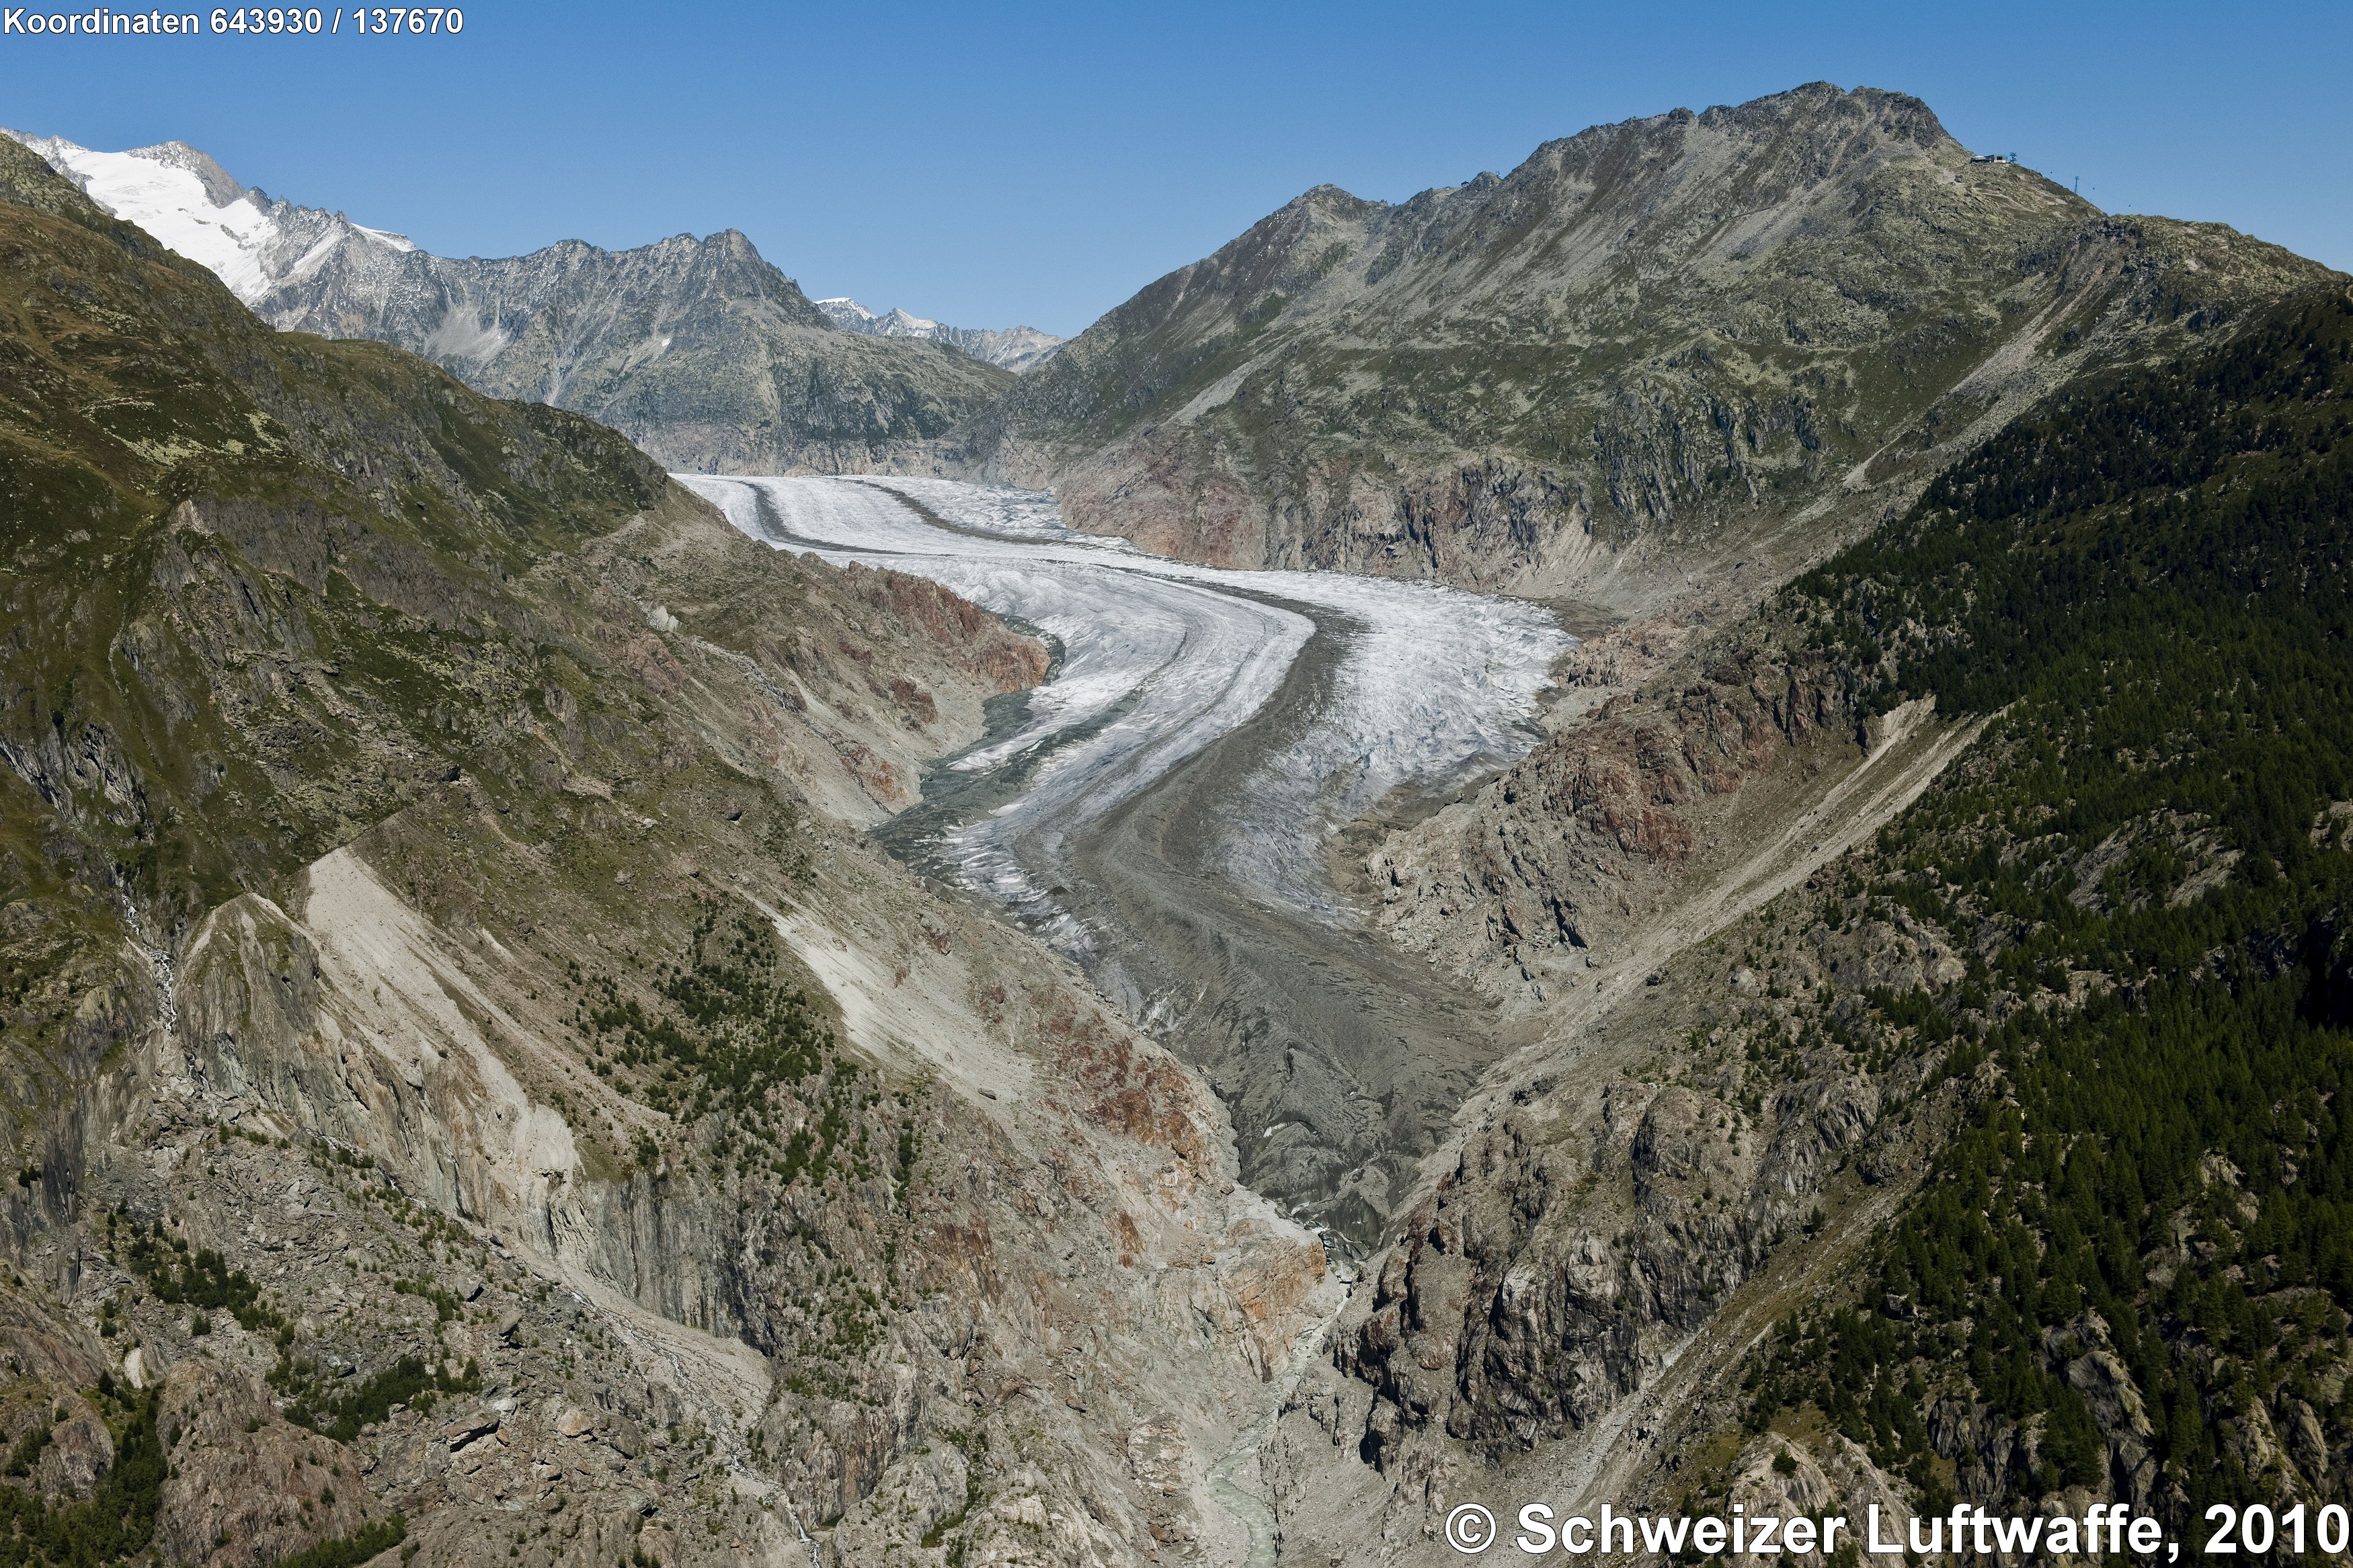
x: 1161, y: 811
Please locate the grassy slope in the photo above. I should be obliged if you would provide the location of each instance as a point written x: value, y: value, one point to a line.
x: 137, y: 398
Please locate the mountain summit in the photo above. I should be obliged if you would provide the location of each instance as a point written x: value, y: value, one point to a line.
x: 1644, y: 347
x: 698, y: 350
x: 1017, y: 349
x: 252, y: 243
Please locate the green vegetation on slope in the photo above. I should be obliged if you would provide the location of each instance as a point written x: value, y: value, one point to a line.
x: 735, y: 1028
x: 201, y: 1280
x: 196, y: 515
x: 724, y: 1033
x: 340, y: 1412
x: 116, y: 1522
x: 349, y: 1550
x: 2151, y: 585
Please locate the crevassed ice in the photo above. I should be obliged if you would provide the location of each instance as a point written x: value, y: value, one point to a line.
x: 1161, y: 658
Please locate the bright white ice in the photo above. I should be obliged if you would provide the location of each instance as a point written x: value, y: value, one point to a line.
x: 1161, y: 658
x: 236, y: 242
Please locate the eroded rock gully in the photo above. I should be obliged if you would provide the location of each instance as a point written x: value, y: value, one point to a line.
x: 1560, y: 865
x: 1622, y: 1217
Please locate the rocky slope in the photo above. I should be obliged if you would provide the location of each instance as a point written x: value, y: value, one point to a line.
x: 1016, y: 349
x: 473, y: 1090
x: 1913, y: 1109
x: 1653, y: 350
x: 698, y: 350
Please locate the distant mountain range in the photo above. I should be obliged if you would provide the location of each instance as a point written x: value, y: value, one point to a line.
x: 1655, y: 353
x: 698, y: 350
x: 1017, y: 349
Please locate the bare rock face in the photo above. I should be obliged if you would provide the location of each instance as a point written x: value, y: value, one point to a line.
x: 80, y: 1452
x: 1556, y: 867
x: 1683, y: 1148
x: 1574, y: 1242
x: 1773, y: 1477
x: 246, y: 1487
x: 1655, y: 349
x: 697, y: 349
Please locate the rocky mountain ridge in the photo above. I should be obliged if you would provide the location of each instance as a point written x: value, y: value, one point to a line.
x: 1016, y: 349
x: 250, y: 241
x: 1851, y: 1157
x: 696, y: 348
x: 1652, y: 352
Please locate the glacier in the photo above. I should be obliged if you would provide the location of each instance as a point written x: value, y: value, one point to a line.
x: 195, y: 208
x: 1430, y: 686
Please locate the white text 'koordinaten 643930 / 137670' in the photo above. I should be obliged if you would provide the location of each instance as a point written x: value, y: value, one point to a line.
x: 248, y: 21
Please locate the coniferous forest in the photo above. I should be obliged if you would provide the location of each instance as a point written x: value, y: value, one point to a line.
x: 2147, y: 587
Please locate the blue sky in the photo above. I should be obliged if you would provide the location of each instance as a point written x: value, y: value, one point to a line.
x: 1038, y: 163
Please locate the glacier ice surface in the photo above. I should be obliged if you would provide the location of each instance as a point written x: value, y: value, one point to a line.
x: 1430, y: 685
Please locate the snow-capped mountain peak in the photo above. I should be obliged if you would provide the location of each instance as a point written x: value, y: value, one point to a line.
x: 254, y: 244
x: 1016, y: 348
x: 307, y: 270
x: 849, y: 314
x: 846, y: 313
